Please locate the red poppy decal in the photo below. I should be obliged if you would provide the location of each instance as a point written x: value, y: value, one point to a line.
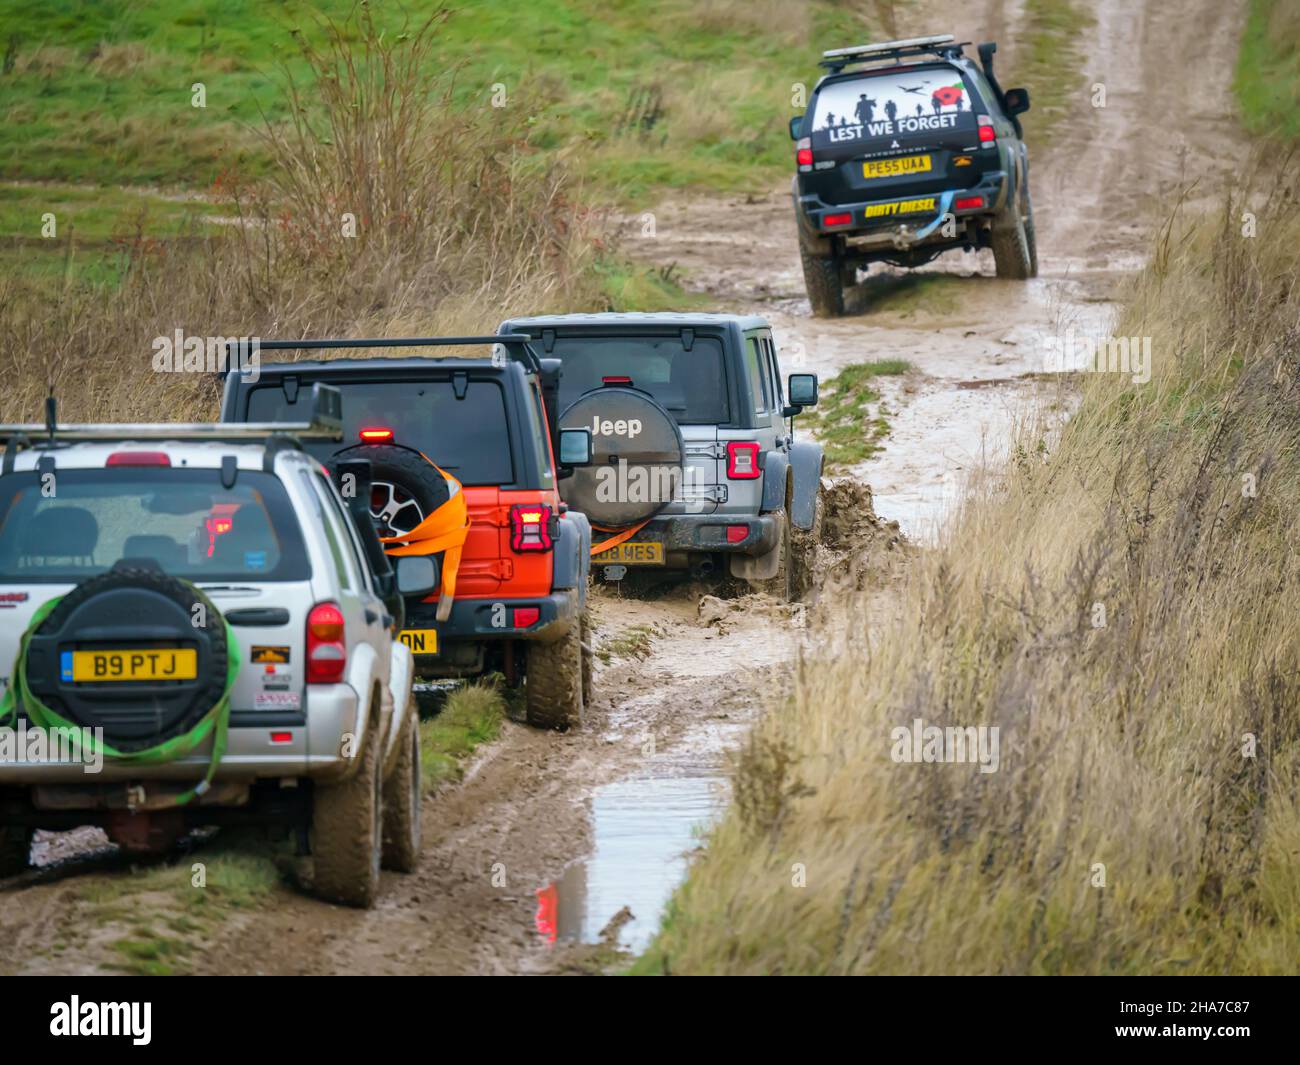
x: 948, y: 95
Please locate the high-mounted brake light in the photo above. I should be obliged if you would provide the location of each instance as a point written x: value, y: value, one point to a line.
x: 616, y: 380
x: 530, y: 527
x: 969, y: 203
x: 138, y: 458
x: 987, y: 133
x: 376, y: 435
x: 803, y: 153
x: 327, y: 656
x: 836, y: 219
x: 742, y: 460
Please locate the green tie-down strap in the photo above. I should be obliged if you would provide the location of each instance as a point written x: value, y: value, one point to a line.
x: 215, y: 722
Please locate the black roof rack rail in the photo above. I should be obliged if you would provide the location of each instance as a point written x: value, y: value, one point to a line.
x: 518, y: 345
x: 941, y: 45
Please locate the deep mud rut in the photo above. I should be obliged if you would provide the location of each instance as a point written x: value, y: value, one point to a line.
x: 556, y: 848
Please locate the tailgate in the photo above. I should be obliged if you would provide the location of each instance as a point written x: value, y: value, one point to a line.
x: 272, y: 676
x: 699, y: 488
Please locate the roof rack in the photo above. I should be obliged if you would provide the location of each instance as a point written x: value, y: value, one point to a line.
x: 518, y: 345
x: 941, y: 45
x: 326, y: 424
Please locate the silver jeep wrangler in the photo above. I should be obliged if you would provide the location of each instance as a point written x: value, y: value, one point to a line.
x: 197, y: 629
x: 694, y: 461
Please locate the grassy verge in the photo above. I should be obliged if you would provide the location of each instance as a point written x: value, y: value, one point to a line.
x: 1048, y: 63
x: 1267, y: 82
x: 469, y: 717
x: 1121, y: 609
x: 850, y: 418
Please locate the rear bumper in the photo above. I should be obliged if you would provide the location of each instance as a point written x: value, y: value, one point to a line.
x: 865, y: 221
x: 708, y: 533
x: 494, y: 619
x: 299, y: 745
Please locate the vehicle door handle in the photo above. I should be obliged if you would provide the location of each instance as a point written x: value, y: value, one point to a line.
x: 266, y: 616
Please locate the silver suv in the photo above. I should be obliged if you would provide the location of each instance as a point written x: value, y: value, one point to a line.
x: 694, y: 465
x: 197, y: 629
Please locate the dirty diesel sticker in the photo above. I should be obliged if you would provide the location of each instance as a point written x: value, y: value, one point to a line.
x: 883, y: 210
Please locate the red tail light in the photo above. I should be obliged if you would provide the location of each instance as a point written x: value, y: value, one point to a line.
x: 525, y: 616
x: 138, y: 458
x: 736, y: 533
x: 327, y: 655
x: 836, y: 219
x: 987, y: 133
x: 803, y: 153
x: 969, y: 203
x: 530, y: 527
x: 376, y: 435
x: 742, y: 460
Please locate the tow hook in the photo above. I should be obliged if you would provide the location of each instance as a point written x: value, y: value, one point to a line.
x: 903, y: 237
x: 135, y: 797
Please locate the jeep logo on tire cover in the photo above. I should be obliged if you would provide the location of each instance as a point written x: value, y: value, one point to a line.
x: 637, y: 453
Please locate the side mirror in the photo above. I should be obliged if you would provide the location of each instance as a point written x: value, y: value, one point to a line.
x: 416, y: 574
x: 575, y: 447
x: 1016, y: 101
x: 795, y: 124
x: 802, y: 390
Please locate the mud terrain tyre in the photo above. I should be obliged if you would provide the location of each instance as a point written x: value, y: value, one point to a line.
x: 404, y: 488
x: 804, y: 551
x: 588, y: 658
x: 15, y: 850
x: 553, y: 686
x: 783, y: 584
x: 824, y: 280
x: 1014, y: 252
x: 347, y: 831
x: 403, y: 799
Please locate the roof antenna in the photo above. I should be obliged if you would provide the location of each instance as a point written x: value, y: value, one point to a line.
x: 51, y: 414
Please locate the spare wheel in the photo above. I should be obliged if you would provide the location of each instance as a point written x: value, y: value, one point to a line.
x: 637, y: 453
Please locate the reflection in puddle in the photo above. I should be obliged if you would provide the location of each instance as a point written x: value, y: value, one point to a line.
x: 644, y: 830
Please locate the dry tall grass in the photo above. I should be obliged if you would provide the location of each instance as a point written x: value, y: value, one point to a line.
x: 390, y: 212
x: 1144, y: 818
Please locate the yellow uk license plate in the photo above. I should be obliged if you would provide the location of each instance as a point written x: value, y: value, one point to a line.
x: 420, y: 641
x: 631, y: 553
x: 180, y: 663
x: 904, y: 164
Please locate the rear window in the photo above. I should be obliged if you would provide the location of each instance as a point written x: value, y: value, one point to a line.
x: 468, y: 436
x: 183, y: 519
x: 690, y: 385
x: 901, y: 103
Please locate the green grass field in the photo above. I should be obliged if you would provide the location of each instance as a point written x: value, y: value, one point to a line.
x: 1268, y: 71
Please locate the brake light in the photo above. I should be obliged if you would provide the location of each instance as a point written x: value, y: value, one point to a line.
x: 742, y: 460
x: 376, y: 435
x: 530, y: 527
x: 803, y: 152
x: 327, y: 656
x: 616, y: 380
x: 281, y: 737
x: 524, y: 616
x: 736, y: 533
x: 836, y: 219
x: 987, y: 133
x: 969, y: 203
x: 138, y: 458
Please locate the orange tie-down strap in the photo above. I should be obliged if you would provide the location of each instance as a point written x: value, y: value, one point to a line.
x: 619, y: 536
x: 443, y: 530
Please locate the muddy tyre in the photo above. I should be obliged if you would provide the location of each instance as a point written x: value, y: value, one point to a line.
x: 15, y: 850
x: 403, y: 799
x: 1014, y: 251
x: 588, y: 658
x: 824, y: 280
x: 347, y: 831
x: 804, y: 551
x: 553, y: 686
x: 783, y: 584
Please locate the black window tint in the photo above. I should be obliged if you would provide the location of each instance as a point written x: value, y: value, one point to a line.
x: 691, y: 385
x: 183, y: 519
x: 469, y: 437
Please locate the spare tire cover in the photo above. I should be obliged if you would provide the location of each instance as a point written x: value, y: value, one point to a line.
x: 637, y: 456
x: 128, y: 612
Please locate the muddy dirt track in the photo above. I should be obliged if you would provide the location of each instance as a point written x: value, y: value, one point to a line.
x: 552, y: 840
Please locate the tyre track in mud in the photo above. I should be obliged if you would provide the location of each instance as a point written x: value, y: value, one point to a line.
x: 524, y: 810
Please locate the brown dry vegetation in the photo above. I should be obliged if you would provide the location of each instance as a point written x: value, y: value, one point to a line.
x: 454, y: 222
x: 1157, y: 753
